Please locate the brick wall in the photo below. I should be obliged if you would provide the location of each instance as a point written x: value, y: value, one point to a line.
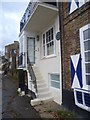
x: 8, y: 54
x: 70, y: 36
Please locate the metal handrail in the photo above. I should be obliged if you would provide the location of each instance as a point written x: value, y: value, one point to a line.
x: 32, y: 74
x: 21, y: 57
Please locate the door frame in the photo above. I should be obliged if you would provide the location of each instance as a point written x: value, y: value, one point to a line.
x: 34, y: 48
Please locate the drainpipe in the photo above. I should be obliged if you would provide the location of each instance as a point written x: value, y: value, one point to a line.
x: 61, y: 65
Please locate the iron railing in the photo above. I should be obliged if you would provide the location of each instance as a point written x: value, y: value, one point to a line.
x: 22, y: 60
x: 27, y: 13
x: 32, y: 74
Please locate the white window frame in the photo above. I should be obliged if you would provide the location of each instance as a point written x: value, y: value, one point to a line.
x: 54, y: 81
x: 54, y: 40
x: 83, y: 56
x: 81, y: 3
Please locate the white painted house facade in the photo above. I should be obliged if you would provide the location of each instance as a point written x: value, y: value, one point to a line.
x: 39, y: 46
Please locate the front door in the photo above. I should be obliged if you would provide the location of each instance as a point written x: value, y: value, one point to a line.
x: 31, y: 49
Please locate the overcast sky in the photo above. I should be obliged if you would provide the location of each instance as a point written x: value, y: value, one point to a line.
x: 10, y: 16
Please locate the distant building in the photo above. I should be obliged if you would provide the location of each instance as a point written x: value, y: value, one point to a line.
x: 11, y: 54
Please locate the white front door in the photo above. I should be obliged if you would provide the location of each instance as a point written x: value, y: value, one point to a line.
x: 31, y: 49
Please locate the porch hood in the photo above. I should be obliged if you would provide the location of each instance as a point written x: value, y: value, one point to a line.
x: 40, y: 17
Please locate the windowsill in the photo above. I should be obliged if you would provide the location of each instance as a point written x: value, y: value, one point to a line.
x: 49, y: 56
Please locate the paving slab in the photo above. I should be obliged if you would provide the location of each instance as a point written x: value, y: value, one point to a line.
x: 13, y: 105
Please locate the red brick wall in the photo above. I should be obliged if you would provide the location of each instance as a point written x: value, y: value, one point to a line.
x: 70, y: 36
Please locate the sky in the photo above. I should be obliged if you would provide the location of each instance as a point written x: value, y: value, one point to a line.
x: 11, y: 12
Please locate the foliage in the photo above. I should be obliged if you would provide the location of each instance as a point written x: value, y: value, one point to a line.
x: 49, y: 110
x: 13, y: 73
x: 4, y: 66
x: 64, y: 114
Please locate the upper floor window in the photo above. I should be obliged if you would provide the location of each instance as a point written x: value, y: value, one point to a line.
x: 48, y: 46
x: 85, y: 52
x: 75, y: 4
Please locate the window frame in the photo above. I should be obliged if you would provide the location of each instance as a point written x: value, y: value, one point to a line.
x: 83, y: 55
x: 55, y: 81
x: 80, y: 2
x: 54, y: 40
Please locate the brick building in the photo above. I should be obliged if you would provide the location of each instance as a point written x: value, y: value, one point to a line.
x: 11, y: 54
x: 75, y: 21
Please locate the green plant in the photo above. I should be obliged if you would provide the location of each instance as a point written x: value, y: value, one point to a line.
x: 15, y: 76
x: 64, y: 114
x: 49, y: 110
x: 13, y: 73
x: 4, y: 66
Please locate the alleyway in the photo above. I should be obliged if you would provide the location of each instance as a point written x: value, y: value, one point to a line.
x: 14, y: 106
x: 0, y: 96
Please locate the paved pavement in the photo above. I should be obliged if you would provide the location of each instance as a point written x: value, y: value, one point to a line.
x: 14, y: 106
x: 0, y: 95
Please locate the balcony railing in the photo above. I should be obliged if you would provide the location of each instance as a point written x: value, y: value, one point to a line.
x: 27, y: 13
x: 29, y: 10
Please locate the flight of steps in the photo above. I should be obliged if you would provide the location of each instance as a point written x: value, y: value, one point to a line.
x: 43, y: 95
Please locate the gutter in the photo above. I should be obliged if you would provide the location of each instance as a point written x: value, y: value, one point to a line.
x: 61, y: 65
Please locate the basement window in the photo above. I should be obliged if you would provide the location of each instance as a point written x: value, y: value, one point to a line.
x: 55, y: 80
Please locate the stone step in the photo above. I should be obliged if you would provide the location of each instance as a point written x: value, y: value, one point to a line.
x: 39, y: 77
x: 44, y: 94
x: 37, y: 74
x: 45, y: 89
x: 41, y: 85
x: 35, y: 69
x: 38, y: 101
x: 40, y: 81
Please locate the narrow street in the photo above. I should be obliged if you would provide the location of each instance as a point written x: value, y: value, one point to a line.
x: 14, y: 106
x: 0, y: 96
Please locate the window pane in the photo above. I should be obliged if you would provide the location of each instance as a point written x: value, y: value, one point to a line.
x: 43, y: 41
x: 43, y: 36
x: 52, y: 31
x: 55, y: 84
x: 87, y: 45
x: 50, y: 48
x: 52, y: 42
x: 44, y: 50
x: 87, y: 65
x: 47, y: 39
x: 86, y: 34
x: 88, y: 79
x: 55, y: 77
x: 87, y: 57
x: 49, y: 32
x: 52, y: 36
